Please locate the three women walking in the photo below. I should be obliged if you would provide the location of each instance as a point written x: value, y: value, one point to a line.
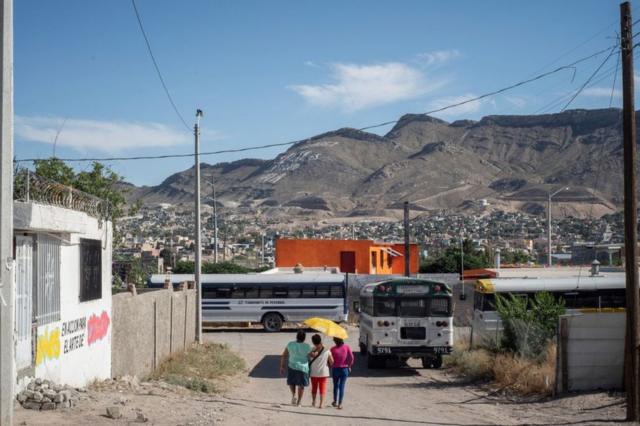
x: 317, y: 363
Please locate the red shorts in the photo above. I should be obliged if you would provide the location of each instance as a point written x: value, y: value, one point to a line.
x: 319, y: 382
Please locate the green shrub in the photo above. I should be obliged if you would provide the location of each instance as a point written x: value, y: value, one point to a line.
x: 528, y: 324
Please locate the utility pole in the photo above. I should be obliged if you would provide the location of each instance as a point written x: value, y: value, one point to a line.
x: 7, y: 362
x: 631, y: 350
x: 407, y: 247
x: 215, y: 222
x: 198, y: 251
x: 463, y: 296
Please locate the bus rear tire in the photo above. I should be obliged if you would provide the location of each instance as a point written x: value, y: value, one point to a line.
x: 272, y: 322
x: 432, y: 361
x: 375, y: 361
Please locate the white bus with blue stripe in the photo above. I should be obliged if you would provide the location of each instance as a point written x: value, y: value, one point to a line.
x: 271, y: 299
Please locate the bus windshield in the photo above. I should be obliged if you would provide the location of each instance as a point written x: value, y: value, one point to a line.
x: 385, y: 308
x: 412, y: 307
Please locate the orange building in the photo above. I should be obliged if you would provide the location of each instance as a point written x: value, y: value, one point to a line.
x: 353, y: 256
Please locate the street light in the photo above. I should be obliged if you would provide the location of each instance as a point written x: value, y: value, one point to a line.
x: 198, y: 248
x: 551, y: 195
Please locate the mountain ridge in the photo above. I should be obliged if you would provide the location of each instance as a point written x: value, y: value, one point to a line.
x: 430, y: 162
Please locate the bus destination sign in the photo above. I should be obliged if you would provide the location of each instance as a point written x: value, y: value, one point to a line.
x: 412, y: 289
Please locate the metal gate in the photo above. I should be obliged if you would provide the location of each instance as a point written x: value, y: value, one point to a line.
x: 24, y: 301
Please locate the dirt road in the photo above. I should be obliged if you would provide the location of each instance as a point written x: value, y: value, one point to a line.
x: 396, y: 395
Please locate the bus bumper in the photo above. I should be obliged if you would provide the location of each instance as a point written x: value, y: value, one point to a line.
x: 411, y: 351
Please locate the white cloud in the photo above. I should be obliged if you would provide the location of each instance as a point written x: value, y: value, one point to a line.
x: 358, y: 87
x: 464, y: 109
x: 517, y: 101
x: 601, y: 92
x: 437, y: 57
x: 107, y: 136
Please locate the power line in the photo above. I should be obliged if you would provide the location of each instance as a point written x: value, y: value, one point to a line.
x: 562, y: 98
x: 386, y: 123
x: 597, y: 70
x: 615, y: 77
x: 576, y: 47
x: 155, y: 64
x: 504, y: 89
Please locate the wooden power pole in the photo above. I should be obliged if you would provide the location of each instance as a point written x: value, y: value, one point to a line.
x: 632, y: 360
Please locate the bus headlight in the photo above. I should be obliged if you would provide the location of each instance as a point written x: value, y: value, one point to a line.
x: 442, y: 323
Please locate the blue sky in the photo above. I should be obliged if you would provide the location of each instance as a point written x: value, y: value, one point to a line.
x: 269, y: 72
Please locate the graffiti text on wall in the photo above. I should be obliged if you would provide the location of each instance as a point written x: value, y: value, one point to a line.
x: 98, y: 327
x: 73, y: 334
x: 48, y: 345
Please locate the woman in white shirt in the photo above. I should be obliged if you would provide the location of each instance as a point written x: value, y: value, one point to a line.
x: 320, y: 360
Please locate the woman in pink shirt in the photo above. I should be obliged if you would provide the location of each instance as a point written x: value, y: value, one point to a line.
x: 342, y: 363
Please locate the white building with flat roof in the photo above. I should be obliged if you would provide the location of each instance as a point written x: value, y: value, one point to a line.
x: 63, y: 290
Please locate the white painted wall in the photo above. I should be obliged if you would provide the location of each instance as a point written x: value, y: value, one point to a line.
x: 91, y: 356
x: 595, y: 351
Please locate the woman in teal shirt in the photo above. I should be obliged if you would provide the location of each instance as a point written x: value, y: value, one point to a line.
x: 297, y: 355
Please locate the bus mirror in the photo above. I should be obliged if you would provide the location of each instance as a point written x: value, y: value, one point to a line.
x: 463, y: 296
x: 356, y: 307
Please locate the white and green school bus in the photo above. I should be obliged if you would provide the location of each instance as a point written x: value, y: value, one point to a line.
x: 406, y: 318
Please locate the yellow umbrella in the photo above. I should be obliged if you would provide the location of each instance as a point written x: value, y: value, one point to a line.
x: 327, y: 327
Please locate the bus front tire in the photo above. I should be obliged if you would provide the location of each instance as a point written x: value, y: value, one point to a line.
x: 272, y: 322
x: 363, y: 349
x: 432, y: 361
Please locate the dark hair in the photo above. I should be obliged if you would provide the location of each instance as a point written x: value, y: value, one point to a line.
x: 300, y: 336
x: 316, y: 339
x: 338, y: 341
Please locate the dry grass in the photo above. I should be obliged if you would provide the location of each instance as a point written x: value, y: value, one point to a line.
x: 508, y: 371
x: 200, y: 367
x: 527, y: 377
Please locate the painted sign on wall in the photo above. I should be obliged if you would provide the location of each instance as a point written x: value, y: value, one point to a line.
x: 48, y: 345
x: 73, y: 334
x: 98, y: 327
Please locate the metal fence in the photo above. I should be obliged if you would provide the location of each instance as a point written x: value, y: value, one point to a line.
x: 30, y: 187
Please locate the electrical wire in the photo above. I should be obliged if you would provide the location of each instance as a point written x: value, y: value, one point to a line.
x: 615, y: 77
x: 564, y: 97
x: 593, y: 74
x: 374, y: 126
x: 155, y: 64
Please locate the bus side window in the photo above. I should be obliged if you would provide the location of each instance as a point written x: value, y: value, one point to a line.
x: 587, y: 299
x: 308, y: 292
x: 489, y: 302
x: 322, y: 291
x: 251, y: 292
x: 280, y: 292
x: 613, y: 298
x: 237, y: 293
x: 223, y: 293
x: 266, y: 292
x: 295, y: 292
x: 208, y: 292
x: 337, y: 291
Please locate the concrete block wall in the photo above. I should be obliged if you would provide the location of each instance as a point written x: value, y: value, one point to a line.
x: 149, y: 327
x: 590, y: 351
